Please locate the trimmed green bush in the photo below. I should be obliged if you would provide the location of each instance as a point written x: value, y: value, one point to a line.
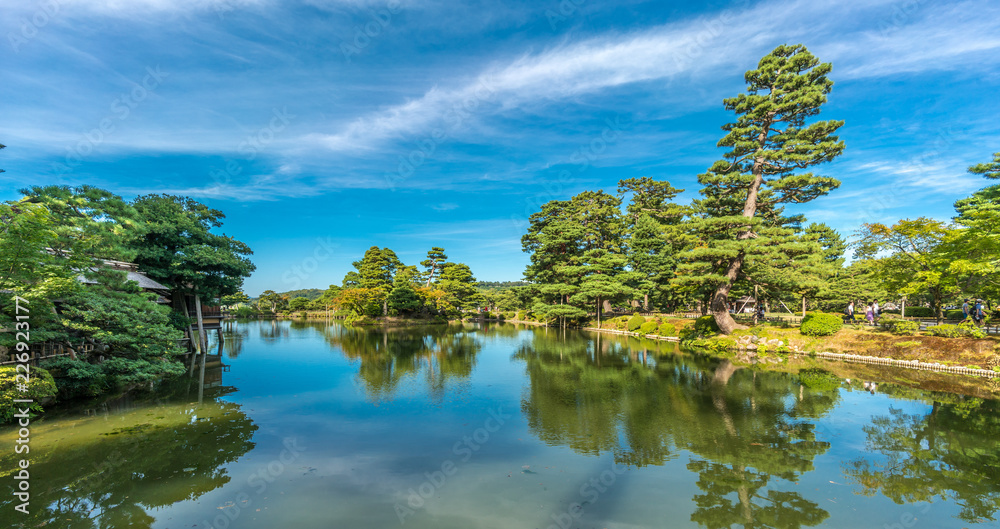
x: 706, y: 325
x: 946, y: 330
x: 964, y: 330
x: 821, y: 324
x: 919, y: 312
x: 955, y: 314
x: 900, y: 327
x: 520, y: 315
x: 667, y: 329
x: 621, y: 323
x: 649, y: 327
x: 635, y: 322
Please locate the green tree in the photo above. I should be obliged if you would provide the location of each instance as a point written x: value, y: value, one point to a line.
x: 29, y: 270
x: 603, y: 279
x: 235, y: 299
x: 177, y: 247
x: 858, y: 281
x: 460, y: 285
x: 375, y: 272
x: 434, y: 263
x: 268, y: 299
x: 975, y: 247
x: 770, y: 142
x: 558, y: 239
x: 918, y: 259
x: 91, y: 223
x: 403, y: 299
x: 298, y: 304
x: 653, y: 236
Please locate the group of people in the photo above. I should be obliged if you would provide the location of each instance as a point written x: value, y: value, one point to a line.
x: 871, y: 313
x: 975, y: 312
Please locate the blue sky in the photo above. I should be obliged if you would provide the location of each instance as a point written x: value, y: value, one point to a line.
x: 323, y: 127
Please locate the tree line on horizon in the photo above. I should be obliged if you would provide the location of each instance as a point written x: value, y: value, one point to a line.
x: 382, y: 285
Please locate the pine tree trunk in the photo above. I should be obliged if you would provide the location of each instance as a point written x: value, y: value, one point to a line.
x: 720, y: 300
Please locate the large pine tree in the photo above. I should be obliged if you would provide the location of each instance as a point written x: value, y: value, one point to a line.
x: 740, y: 218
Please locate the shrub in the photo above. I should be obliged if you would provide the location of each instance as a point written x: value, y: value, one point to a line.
x: 963, y: 330
x: 635, y: 322
x: 946, y: 330
x: 686, y: 332
x: 919, y: 312
x: 954, y: 314
x: 621, y: 322
x: 649, y: 327
x: 667, y: 329
x: 41, y: 386
x: 520, y: 315
x: 243, y: 311
x: 179, y: 320
x: 900, y: 327
x: 821, y: 324
x: 971, y: 330
x: 706, y: 325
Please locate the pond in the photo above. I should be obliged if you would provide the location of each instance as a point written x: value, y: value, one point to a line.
x: 317, y: 424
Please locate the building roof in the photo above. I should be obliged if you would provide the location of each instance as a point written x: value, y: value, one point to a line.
x: 144, y: 281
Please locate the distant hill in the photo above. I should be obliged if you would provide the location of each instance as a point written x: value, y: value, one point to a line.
x: 310, y: 293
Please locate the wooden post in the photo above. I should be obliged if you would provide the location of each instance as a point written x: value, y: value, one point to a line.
x: 803, y: 306
x: 902, y: 311
x: 203, y: 345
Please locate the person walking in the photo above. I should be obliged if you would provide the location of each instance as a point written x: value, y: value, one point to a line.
x: 849, y: 312
x: 977, y: 313
x: 875, y: 310
x: 869, y: 315
x: 965, y: 311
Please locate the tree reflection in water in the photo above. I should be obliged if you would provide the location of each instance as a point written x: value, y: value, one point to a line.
x: 439, y: 354
x: 749, y: 431
x: 99, y: 473
x: 952, y: 453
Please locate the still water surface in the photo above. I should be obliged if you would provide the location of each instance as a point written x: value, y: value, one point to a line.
x: 318, y: 425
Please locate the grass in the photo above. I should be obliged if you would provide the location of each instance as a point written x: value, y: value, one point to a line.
x: 871, y: 342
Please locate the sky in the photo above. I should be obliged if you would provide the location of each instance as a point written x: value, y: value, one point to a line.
x: 324, y: 127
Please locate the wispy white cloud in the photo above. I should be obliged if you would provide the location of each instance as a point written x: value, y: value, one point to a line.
x: 944, y: 39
